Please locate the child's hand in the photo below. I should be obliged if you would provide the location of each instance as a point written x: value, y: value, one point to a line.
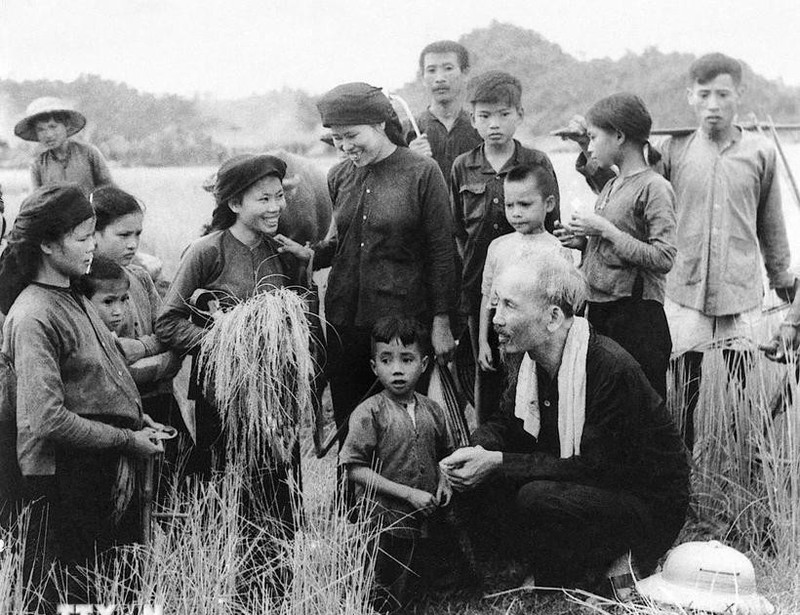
x: 132, y: 349
x: 567, y: 238
x: 485, y: 356
x: 421, y: 145
x: 303, y: 253
x: 444, y: 491
x: 422, y: 501
x: 589, y: 223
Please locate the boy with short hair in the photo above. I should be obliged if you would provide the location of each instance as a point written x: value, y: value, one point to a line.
x: 476, y: 192
x: 106, y: 286
x: 446, y: 128
x: 530, y: 194
x: 392, y: 452
x: 52, y: 122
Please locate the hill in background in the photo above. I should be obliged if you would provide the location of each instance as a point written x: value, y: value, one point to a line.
x: 137, y: 128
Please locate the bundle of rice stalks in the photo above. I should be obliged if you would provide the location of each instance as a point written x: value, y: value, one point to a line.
x: 258, y: 368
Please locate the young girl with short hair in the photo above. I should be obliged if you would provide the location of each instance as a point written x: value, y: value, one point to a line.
x: 79, y: 421
x: 628, y: 241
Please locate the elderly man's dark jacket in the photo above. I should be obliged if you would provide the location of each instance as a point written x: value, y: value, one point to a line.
x: 630, y: 443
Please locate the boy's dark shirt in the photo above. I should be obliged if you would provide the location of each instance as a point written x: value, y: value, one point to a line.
x: 446, y: 145
x: 476, y: 194
x: 629, y: 442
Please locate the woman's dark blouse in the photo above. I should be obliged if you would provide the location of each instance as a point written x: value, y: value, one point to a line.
x: 395, y: 247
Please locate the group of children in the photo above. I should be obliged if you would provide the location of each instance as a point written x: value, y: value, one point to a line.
x: 95, y: 348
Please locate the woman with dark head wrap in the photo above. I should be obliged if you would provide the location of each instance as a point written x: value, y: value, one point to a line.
x: 79, y: 420
x: 395, y: 252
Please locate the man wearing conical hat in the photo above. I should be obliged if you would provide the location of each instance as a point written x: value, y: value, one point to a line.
x: 51, y: 122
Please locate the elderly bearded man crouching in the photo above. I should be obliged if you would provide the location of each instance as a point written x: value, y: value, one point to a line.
x: 584, y: 464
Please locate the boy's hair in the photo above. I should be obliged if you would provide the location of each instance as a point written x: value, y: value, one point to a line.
x: 102, y: 270
x: 493, y: 87
x: 708, y: 67
x: 407, y: 330
x: 446, y: 47
x: 56, y: 116
x: 545, y: 181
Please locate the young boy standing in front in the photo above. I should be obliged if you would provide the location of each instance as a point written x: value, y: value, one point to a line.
x: 392, y: 452
x: 530, y: 194
x: 476, y: 191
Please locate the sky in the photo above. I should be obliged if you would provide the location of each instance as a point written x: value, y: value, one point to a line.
x: 235, y: 48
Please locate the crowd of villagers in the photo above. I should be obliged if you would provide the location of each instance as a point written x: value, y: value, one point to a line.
x: 451, y: 232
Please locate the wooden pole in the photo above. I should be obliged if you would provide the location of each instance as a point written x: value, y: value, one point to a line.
x: 773, y: 129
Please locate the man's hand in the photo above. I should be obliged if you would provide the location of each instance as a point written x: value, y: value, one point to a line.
x: 442, y: 339
x: 421, y: 145
x: 785, y: 341
x: 469, y: 466
x: 422, y: 501
x: 577, y: 132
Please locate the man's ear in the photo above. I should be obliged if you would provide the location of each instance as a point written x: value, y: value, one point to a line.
x: 424, y: 362
x: 47, y: 247
x: 555, y: 318
x: 690, y: 96
x: 372, y: 365
x: 235, y: 205
x: 550, y: 203
x: 521, y: 112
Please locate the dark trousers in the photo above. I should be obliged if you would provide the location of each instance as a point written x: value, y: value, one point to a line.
x: 691, y: 365
x: 393, y: 567
x: 71, y: 521
x: 490, y: 385
x: 640, y: 327
x: 568, y: 533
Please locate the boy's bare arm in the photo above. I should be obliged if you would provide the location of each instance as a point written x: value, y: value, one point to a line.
x: 420, y: 500
x: 484, y: 350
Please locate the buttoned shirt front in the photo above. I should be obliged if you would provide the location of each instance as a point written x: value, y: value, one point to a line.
x: 447, y: 145
x: 395, y: 252
x: 384, y: 437
x: 728, y: 206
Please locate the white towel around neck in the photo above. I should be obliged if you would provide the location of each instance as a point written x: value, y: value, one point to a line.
x: 571, y: 391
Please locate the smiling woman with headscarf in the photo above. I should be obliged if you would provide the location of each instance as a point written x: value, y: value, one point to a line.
x: 395, y: 251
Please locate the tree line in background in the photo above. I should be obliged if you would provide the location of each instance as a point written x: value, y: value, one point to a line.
x: 135, y: 128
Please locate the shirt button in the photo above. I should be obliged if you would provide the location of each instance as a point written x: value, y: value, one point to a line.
x: 365, y: 216
x: 362, y: 244
x: 495, y: 200
x: 368, y: 191
x: 496, y: 226
x: 546, y: 403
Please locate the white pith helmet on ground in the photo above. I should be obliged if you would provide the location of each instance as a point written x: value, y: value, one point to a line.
x: 707, y: 576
